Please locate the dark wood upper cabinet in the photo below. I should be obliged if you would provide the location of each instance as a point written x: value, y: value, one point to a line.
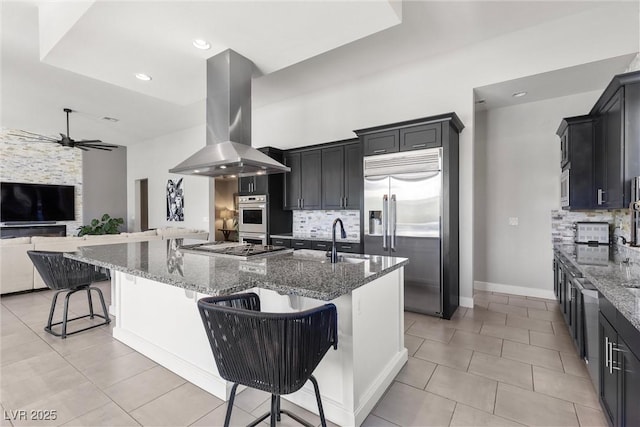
x: 342, y: 180
x: 609, y: 164
x: 421, y: 137
x: 333, y: 177
x: 353, y: 177
x: 326, y: 176
x: 259, y: 184
x: 577, y: 147
x: 310, y: 185
x: 381, y: 142
x: 302, y: 184
x: 617, y: 141
x: 292, y: 184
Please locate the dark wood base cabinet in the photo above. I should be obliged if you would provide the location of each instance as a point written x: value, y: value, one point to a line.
x: 619, y: 369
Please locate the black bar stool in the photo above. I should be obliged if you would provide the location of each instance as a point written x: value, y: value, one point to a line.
x: 70, y: 276
x: 273, y: 352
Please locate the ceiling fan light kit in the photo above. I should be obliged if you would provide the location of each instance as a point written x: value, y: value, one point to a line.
x: 66, y: 140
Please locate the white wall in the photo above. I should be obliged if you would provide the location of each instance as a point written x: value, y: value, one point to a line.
x: 445, y: 83
x: 519, y: 142
x: 152, y: 159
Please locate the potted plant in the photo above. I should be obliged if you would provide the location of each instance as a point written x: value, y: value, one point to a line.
x: 105, y: 225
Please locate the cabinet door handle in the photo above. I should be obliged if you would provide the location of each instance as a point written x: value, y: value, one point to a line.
x: 298, y: 203
x: 321, y: 245
x: 345, y: 247
x: 302, y: 203
x: 379, y: 151
x: 610, y: 351
x: 606, y: 352
x: 601, y: 196
x: 419, y: 145
x: 299, y: 243
x: 345, y: 202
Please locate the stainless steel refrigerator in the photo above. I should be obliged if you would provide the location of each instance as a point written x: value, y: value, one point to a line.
x: 403, y: 208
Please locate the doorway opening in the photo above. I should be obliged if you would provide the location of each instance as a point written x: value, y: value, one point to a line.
x: 142, y: 205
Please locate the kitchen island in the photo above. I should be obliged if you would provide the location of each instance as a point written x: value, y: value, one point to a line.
x: 155, y: 287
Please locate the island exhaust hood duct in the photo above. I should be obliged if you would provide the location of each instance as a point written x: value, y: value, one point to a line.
x: 228, y: 150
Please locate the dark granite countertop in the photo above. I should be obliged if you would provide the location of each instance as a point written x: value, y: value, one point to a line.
x: 299, y: 272
x: 611, y: 278
x: 316, y: 238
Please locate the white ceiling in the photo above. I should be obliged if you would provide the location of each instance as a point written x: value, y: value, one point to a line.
x: 90, y: 51
x: 567, y: 81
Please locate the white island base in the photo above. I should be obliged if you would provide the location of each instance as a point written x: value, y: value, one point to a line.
x: 162, y: 322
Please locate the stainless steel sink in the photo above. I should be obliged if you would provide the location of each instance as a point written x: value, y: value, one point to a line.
x: 321, y: 256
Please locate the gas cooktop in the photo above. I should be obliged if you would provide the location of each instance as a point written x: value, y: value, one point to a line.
x: 234, y: 250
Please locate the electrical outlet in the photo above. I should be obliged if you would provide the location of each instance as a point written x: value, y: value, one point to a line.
x: 513, y: 220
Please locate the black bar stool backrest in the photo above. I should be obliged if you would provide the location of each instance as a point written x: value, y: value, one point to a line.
x: 68, y: 277
x: 273, y: 352
x: 59, y: 272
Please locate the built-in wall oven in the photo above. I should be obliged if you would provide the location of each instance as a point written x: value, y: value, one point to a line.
x: 253, y: 219
x: 253, y: 238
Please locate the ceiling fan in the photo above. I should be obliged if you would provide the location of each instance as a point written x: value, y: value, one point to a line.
x: 66, y: 140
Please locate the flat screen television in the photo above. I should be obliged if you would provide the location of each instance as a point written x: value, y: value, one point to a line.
x: 36, y: 202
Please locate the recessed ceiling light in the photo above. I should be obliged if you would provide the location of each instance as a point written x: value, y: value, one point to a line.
x: 481, y: 101
x: 196, y: 171
x: 201, y: 44
x: 519, y: 94
x: 223, y: 167
x: 232, y: 176
x: 142, y: 76
x: 110, y: 119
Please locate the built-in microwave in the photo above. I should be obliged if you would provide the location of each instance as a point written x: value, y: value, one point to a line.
x: 252, y: 216
x: 564, y: 188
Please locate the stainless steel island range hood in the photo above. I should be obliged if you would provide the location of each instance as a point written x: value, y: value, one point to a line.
x: 228, y: 150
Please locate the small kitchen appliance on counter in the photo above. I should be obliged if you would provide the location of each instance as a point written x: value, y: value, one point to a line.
x: 592, y: 243
x: 594, y: 233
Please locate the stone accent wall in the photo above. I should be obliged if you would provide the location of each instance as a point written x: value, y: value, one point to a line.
x: 562, y: 229
x: 318, y: 223
x: 42, y: 163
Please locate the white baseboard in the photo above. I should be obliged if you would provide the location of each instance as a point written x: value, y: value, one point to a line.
x: 466, y: 302
x: 515, y: 290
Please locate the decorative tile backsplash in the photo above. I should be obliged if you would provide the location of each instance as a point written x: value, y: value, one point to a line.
x: 318, y: 223
x: 562, y: 228
x: 42, y: 163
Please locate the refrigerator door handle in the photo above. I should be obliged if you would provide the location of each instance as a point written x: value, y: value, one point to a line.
x: 385, y: 217
x: 392, y: 220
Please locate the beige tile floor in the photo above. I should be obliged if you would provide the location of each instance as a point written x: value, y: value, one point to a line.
x: 508, y: 361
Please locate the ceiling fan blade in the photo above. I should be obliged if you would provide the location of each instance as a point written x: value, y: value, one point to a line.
x: 31, y: 139
x: 88, y: 140
x: 31, y: 135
